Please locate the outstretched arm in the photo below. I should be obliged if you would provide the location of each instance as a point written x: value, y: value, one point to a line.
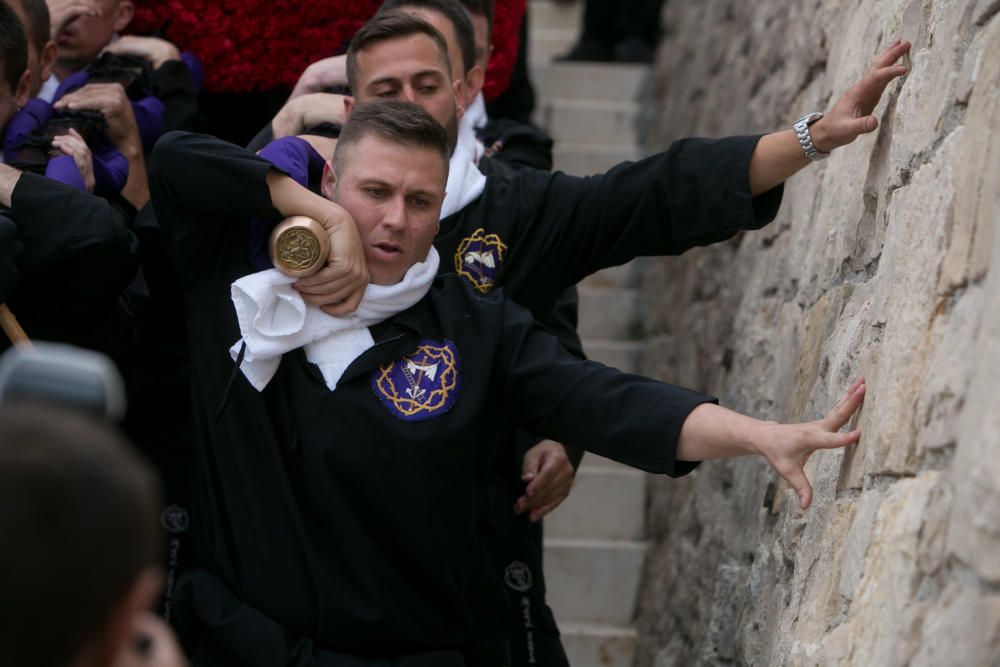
x: 644, y: 423
x: 713, y: 432
x: 778, y: 155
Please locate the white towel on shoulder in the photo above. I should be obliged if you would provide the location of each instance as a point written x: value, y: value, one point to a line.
x: 274, y: 319
x: 465, y: 181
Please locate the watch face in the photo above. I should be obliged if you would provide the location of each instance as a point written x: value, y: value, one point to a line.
x: 812, y: 118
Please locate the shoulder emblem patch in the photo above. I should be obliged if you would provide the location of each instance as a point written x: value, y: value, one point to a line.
x: 421, y: 385
x: 479, y: 258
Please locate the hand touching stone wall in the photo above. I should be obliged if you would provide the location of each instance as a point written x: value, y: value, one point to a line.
x: 884, y: 262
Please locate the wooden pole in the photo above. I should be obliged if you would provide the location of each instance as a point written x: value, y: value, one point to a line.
x: 13, y: 330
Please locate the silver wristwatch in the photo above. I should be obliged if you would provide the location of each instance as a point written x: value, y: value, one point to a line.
x: 801, y: 128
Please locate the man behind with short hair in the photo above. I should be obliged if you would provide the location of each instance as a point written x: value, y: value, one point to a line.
x: 342, y: 464
x: 78, y: 567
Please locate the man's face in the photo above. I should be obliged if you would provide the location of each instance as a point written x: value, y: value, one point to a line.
x: 394, y: 193
x: 84, y: 39
x: 411, y: 69
x: 447, y: 30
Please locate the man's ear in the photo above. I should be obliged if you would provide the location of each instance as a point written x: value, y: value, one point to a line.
x: 459, y: 98
x: 348, y: 105
x: 126, y: 10
x: 49, y: 54
x: 329, y: 184
x: 473, y: 83
x: 23, y: 91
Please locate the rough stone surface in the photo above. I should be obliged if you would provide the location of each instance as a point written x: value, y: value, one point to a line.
x: 884, y: 261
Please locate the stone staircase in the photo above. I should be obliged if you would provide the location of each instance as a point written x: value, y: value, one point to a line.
x: 594, y: 546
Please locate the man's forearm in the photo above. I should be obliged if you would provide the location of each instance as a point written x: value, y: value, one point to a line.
x: 713, y: 432
x: 136, y: 190
x: 8, y: 181
x: 778, y: 156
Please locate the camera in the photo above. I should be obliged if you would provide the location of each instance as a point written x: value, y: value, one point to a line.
x: 64, y: 375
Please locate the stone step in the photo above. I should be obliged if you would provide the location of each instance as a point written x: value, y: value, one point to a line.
x: 610, y: 313
x: 548, y: 14
x: 593, y: 461
x: 625, y: 275
x: 571, y: 121
x: 585, y: 160
x: 593, y: 581
x: 549, y: 43
x: 605, y: 503
x: 625, y: 355
x: 590, y: 81
x: 591, y: 645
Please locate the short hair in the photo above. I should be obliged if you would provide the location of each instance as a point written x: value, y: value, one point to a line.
x: 13, y: 46
x: 385, y: 26
x: 480, y: 8
x: 78, y: 516
x: 456, y: 14
x: 396, y: 121
x: 39, y: 24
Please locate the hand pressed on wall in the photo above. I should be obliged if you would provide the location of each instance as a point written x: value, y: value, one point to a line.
x: 851, y: 115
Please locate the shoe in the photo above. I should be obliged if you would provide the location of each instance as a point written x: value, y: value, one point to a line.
x: 634, y: 50
x: 587, y: 50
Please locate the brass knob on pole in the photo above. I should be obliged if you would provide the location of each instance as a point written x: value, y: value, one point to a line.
x: 299, y: 246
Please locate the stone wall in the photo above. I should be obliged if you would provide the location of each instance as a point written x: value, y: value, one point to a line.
x: 884, y: 261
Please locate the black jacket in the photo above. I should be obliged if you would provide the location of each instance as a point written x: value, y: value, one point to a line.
x: 346, y: 521
x: 79, y: 256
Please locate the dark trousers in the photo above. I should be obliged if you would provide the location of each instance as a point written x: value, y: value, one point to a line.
x: 610, y: 21
x: 515, y: 545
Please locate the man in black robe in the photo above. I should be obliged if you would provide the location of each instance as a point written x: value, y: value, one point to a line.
x: 339, y: 526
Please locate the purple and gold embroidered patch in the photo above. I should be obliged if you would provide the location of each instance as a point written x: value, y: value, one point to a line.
x: 421, y: 385
x: 479, y: 258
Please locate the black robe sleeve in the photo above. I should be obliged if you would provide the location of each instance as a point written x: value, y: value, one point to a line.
x: 627, y: 418
x: 695, y: 193
x: 79, y: 257
x: 204, y: 192
x: 173, y: 85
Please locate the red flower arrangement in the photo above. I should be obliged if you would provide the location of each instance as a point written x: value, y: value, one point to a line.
x: 258, y: 45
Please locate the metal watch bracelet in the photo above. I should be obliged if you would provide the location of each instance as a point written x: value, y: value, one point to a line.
x: 801, y: 127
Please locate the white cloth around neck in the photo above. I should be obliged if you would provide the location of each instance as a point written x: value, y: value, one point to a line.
x: 465, y: 181
x: 274, y: 319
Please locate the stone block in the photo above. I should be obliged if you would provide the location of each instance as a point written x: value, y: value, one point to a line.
x: 549, y: 43
x: 625, y: 355
x: 590, y: 81
x: 626, y: 275
x: 590, y: 645
x: 857, y: 541
x: 593, y: 581
x: 549, y: 14
x: 963, y: 629
x: 585, y: 160
x: 589, y: 122
x: 605, y: 503
x: 609, y: 313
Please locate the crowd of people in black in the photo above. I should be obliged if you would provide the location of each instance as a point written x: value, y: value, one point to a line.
x: 354, y: 464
